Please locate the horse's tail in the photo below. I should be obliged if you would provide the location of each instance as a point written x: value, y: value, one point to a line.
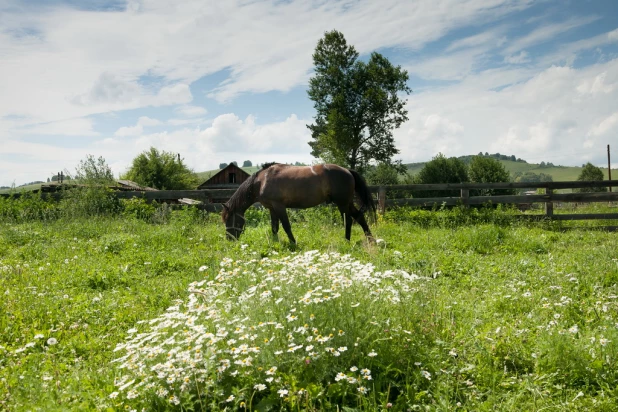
x: 364, y: 195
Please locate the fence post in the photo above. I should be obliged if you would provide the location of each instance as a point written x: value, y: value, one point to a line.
x: 549, y: 205
x: 382, y: 199
x: 465, y: 195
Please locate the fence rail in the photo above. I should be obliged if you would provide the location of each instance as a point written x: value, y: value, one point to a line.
x: 207, y: 196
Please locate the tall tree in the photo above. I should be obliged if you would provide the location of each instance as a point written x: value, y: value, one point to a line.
x: 161, y: 170
x: 357, y: 104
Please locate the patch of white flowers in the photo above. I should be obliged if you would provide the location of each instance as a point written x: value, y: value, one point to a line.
x: 247, y: 316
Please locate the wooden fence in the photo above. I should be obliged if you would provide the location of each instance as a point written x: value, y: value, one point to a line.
x: 549, y: 198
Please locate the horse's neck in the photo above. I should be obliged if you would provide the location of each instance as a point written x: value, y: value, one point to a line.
x: 248, y: 200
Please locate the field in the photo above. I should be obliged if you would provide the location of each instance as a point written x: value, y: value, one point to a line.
x: 449, y: 310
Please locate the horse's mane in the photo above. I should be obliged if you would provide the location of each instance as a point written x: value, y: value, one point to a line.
x: 267, y: 165
x: 244, y: 191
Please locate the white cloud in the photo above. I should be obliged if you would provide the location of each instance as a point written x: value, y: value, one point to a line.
x: 520, y: 58
x: 83, y: 62
x: 490, y: 39
x: 147, y: 121
x: 607, y: 127
x: 69, y: 127
x: 543, y: 116
x: 547, y: 32
x: 613, y: 35
x: 138, y: 129
x: 229, y: 133
x: 191, y: 111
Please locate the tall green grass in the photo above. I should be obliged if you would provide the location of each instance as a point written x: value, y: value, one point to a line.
x: 450, y: 310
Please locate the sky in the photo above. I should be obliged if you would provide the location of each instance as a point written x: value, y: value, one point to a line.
x: 220, y: 81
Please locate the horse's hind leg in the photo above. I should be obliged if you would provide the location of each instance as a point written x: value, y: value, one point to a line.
x: 360, y: 218
x: 282, y: 214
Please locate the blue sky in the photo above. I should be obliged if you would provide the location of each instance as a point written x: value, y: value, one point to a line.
x: 221, y: 81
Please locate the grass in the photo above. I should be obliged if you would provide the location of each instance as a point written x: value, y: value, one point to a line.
x: 441, y: 314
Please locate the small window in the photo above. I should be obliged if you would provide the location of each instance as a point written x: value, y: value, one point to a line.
x: 232, y: 178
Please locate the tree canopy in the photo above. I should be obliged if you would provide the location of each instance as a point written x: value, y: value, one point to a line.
x: 357, y: 104
x: 442, y: 170
x: 591, y: 172
x: 94, y: 171
x: 488, y: 170
x: 161, y: 170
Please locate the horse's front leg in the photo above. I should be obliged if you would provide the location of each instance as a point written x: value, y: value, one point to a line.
x: 274, y: 224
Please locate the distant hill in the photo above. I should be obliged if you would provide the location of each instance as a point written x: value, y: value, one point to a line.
x: 558, y: 173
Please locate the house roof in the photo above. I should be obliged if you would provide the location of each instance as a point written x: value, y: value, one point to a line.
x: 230, y: 166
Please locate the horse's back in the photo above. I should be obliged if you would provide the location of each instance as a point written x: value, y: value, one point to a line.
x: 305, y: 186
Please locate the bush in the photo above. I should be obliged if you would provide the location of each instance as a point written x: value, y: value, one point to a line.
x: 88, y: 201
x: 488, y: 170
x: 161, y: 170
x: 442, y: 170
x: 26, y: 207
x: 591, y: 173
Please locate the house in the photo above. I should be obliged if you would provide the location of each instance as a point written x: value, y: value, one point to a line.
x: 230, y: 177
x: 227, y: 178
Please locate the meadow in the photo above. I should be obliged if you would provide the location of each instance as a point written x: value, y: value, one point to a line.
x: 149, y: 309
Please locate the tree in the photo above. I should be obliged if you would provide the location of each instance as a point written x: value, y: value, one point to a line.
x: 93, y: 171
x: 357, y: 104
x: 488, y: 170
x: 222, y: 165
x: 591, y: 173
x: 161, y: 170
x: 247, y: 163
x: 442, y: 170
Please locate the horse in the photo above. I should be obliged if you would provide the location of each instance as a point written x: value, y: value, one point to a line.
x: 278, y: 186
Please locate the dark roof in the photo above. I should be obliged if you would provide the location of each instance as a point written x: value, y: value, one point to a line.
x: 230, y: 166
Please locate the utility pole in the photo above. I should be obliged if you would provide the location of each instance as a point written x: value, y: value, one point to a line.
x: 609, y: 167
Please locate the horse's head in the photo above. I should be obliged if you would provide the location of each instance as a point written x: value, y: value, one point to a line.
x: 234, y: 222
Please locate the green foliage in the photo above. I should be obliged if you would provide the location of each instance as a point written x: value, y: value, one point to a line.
x: 28, y: 206
x: 88, y: 202
x: 488, y: 170
x: 387, y: 174
x: 464, y: 310
x: 357, y: 104
x: 222, y: 165
x: 532, y: 177
x: 441, y: 170
x: 91, y: 171
x: 247, y: 163
x: 161, y: 170
x: 139, y: 209
x: 591, y: 172
x: 382, y: 174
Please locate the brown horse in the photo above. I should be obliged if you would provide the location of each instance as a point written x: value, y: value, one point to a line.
x: 278, y: 186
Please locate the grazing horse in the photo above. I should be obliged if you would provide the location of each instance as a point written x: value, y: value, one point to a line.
x: 278, y: 186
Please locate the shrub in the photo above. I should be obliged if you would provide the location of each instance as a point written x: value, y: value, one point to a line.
x: 441, y: 170
x: 591, y: 172
x: 487, y: 170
